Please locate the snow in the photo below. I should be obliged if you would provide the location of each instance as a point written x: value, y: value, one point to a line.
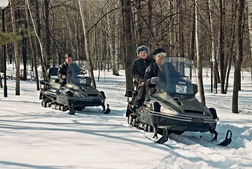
x: 35, y: 137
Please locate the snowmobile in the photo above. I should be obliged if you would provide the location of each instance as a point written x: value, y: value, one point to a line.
x: 75, y: 95
x: 173, y: 108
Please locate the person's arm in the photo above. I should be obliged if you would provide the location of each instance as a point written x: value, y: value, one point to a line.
x: 148, y: 75
x: 61, y: 73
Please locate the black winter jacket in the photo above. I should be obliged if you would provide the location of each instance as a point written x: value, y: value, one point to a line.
x: 138, y: 68
x: 62, y: 70
x: 151, y: 71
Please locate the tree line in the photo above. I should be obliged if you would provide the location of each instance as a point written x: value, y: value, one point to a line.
x: 106, y: 33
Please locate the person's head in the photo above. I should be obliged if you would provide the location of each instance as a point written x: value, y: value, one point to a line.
x: 68, y: 58
x: 159, y: 55
x: 142, y: 51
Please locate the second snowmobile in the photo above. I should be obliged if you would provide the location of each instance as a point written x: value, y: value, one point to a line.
x: 76, y: 94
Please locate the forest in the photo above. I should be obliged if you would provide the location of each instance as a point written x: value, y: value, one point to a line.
x: 105, y: 34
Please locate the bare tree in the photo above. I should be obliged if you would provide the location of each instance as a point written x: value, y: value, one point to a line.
x: 213, y: 56
x: 17, y: 59
x: 199, y: 59
x: 112, y: 31
x: 86, y: 43
x: 128, y: 53
x: 38, y: 38
x: 32, y: 46
x: 47, y: 34
x: 239, y: 57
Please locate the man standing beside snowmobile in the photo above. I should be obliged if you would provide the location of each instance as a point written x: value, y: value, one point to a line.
x: 152, y: 71
x: 139, y: 66
x: 62, y: 71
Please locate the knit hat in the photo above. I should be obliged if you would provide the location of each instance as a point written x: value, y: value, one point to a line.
x: 159, y: 51
x: 142, y: 48
x: 68, y: 55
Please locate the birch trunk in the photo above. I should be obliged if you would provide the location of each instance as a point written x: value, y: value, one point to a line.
x: 198, y: 55
x: 91, y: 73
x: 38, y: 38
x: 34, y: 59
x: 213, y: 59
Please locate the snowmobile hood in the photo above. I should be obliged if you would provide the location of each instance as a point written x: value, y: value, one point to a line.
x: 181, y: 105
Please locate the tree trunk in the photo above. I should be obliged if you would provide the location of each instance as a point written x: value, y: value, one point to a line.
x: 128, y: 53
x: 38, y: 35
x: 192, y: 53
x: 250, y: 33
x: 221, y: 49
x: 32, y: 47
x: 238, y: 61
x: 139, y: 23
x: 213, y: 59
x: 232, y: 44
x: 199, y: 59
x: 86, y: 43
x: 117, y: 45
x: 16, y: 53
x: 70, y: 46
x: 24, y: 46
x: 47, y: 37
x: 39, y: 41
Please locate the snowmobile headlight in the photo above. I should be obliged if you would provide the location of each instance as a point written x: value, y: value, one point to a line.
x: 181, y: 88
x: 82, y: 81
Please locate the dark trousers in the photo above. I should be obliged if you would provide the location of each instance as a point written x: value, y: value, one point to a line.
x: 140, y: 96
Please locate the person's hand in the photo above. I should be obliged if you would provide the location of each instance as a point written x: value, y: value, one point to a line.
x: 153, y: 80
x: 63, y: 76
x: 141, y: 84
x: 83, y: 72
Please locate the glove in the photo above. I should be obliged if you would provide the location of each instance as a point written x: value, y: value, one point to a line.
x: 153, y: 80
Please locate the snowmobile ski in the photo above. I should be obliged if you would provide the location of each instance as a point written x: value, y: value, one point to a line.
x: 227, y: 140
x: 161, y: 139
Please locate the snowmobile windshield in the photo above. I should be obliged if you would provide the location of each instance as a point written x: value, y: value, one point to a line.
x: 76, y: 76
x: 175, y: 76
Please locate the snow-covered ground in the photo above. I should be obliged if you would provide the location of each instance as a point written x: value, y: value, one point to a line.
x: 35, y: 137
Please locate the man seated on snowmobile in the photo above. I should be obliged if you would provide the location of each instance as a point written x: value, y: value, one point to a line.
x: 62, y: 71
x: 139, y: 66
x: 152, y: 71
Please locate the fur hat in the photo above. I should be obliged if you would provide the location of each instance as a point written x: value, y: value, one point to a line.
x: 142, y: 48
x: 159, y: 51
